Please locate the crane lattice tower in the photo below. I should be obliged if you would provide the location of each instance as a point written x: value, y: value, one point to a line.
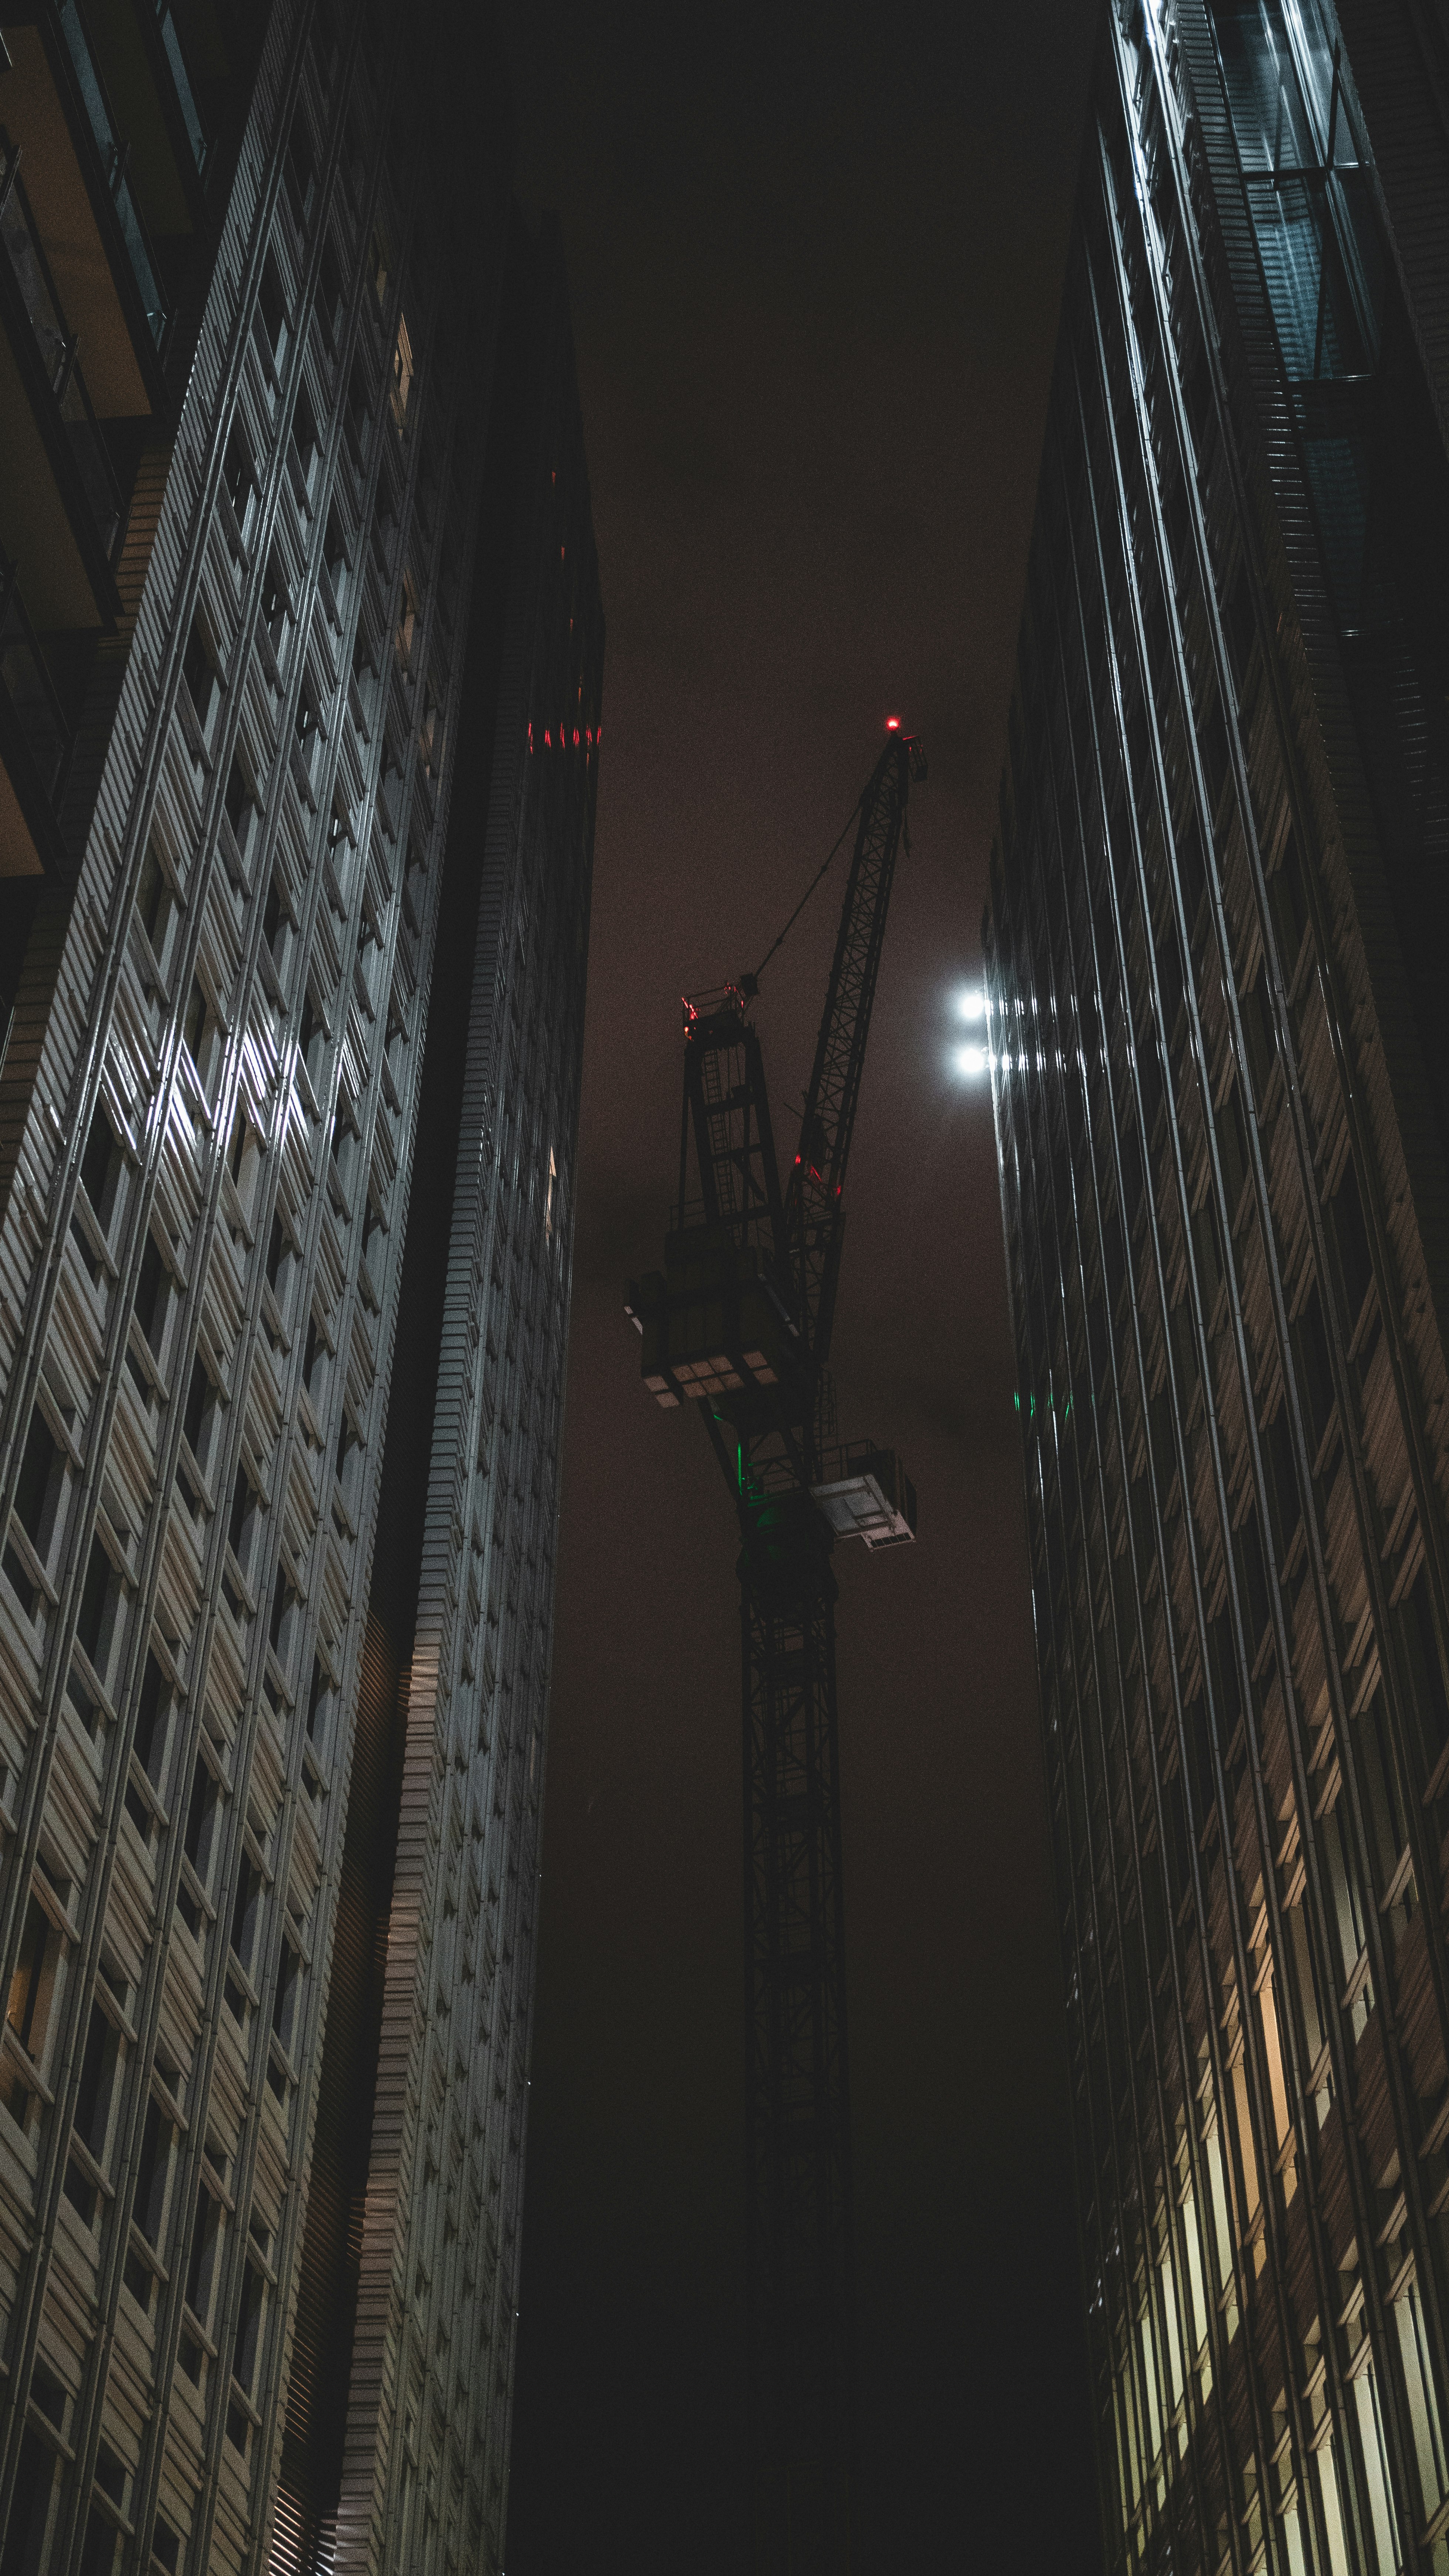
x: 739, y: 1323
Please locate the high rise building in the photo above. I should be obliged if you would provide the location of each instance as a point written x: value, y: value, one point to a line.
x: 300, y: 662
x: 1222, y: 1098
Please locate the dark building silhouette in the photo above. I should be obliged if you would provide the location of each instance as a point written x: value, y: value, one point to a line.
x: 300, y: 663
x: 1215, y: 942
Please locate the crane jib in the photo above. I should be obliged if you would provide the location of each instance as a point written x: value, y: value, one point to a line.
x: 816, y: 1182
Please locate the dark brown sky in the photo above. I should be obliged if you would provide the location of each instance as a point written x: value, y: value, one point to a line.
x: 816, y: 257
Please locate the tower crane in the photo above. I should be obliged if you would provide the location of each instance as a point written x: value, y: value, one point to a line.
x: 739, y: 1323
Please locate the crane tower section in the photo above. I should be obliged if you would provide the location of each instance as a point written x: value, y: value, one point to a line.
x: 739, y: 1323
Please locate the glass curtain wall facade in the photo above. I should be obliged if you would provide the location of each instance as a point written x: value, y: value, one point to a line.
x: 300, y: 652
x: 1218, y: 1063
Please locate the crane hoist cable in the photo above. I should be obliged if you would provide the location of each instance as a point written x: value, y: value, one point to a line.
x: 751, y: 983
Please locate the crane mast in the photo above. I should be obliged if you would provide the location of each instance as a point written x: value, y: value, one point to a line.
x: 739, y: 1321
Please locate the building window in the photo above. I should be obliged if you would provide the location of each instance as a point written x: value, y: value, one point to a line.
x: 239, y: 481
x: 97, y: 1630
x: 193, y: 1894
x: 32, y: 1985
x: 1316, y: 237
x: 196, y: 1424
x: 407, y: 625
x: 199, y: 1034
x: 154, y: 1705
x: 241, y: 809
x: 271, y: 319
x: 157, y: 912
x: 276, y: 605
x: 27, y: 2529
x: 247, y: 1907
x: 306, y: 445
x: 201, y: 2274
x: 402, y: 370
x: 151, y: 1314
x: 298, y: 168
x: 198, y: 670
x: 241, y: 1539
x: 38, y: 1494
x: 329, y: 293
x: 102, y: 1173
x: 91, y: 2130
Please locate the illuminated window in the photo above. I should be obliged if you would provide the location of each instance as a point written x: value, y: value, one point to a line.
x: 402, y: 370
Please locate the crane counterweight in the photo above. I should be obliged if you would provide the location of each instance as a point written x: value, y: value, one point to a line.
x: 739, y: 1322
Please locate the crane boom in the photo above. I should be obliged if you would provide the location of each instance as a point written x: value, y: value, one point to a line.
x: 738, y: 1322
x: 812, y: 1203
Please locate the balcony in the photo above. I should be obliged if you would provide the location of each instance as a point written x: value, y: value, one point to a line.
x: 60, y: 509
x: 35, y: 742
x: 88, y: 180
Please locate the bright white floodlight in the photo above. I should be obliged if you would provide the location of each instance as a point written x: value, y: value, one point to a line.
x: 972, y: 1004
x: 971, y: 1059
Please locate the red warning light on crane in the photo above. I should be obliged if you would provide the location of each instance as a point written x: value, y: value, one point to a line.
x: 893, y: 724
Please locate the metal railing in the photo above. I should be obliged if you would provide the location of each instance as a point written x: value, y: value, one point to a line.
x: 115, y: 157
x: 181, y: 82
x: 30, y: 689
x: 57, y: 346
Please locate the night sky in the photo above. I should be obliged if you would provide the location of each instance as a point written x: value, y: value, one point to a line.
x: 816, y: 260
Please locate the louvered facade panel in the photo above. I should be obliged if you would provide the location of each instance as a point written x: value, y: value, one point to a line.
x: 321, y: 694
x: 1215, y: 1035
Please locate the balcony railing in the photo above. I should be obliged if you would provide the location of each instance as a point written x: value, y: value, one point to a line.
x: 30, y: 689
x: 114, y: 158
x: 57, y: 347
x: 181, y: 81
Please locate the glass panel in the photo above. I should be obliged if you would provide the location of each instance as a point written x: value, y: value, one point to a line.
x: 1371, y: 2434
x: 1266, y: 104
x: 1317, y: 327
x: 1315, y: 229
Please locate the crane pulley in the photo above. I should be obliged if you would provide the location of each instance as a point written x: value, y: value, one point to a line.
x: 739, y: 1321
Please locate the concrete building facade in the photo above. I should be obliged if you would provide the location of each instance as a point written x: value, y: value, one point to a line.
x: 300, y: 665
